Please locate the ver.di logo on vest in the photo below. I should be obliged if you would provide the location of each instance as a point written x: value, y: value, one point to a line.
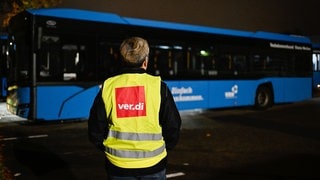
x: 130, y: 101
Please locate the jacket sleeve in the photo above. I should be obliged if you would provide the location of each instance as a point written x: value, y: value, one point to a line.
x: 97, y: 122
x: 170, y: 119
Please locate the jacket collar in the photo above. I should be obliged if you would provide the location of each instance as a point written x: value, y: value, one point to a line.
x: 132, y: 70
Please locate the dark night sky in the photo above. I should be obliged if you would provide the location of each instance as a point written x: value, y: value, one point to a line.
x: 284, y: 16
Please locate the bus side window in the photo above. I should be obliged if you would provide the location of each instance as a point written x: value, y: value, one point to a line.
x: 225, y: 64
x: 316, y: 62
x: 302, y: 68
x: 240, y: 64
x: 197, y: 61
x: 49, y: 60
x: 71, y: 60
x: 161, y: 62
x: 153, y: 67
x: 165, y: 62
x: 178, y: 65
x: 257, y: 63
x: 108, y: 60
x: 82, y: 66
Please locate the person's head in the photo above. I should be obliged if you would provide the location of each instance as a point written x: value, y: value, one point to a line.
x: 134, y: 52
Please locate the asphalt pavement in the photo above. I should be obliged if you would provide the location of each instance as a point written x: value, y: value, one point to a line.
x: 280, y: 143
x: 6, y: 116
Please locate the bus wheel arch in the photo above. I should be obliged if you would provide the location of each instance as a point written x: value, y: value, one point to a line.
x: 264, y: 97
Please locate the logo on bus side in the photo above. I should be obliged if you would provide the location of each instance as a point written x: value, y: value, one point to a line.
x: 233, y: 93
x: 130, y: 101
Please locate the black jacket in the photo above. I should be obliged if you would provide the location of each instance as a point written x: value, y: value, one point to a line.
x: 170, y: 122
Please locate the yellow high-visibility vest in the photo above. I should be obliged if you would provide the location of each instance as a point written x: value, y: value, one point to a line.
x: 132, y: 102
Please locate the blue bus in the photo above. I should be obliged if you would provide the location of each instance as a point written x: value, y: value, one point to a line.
x: 59, y: 58
x: 3, y: 66
x: 316, y: 66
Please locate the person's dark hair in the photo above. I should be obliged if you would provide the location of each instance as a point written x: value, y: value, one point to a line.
x: 134, y: 51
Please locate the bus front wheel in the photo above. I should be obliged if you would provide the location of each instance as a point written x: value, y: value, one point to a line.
x: 264, y: 98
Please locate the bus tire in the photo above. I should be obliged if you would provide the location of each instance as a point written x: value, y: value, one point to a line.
x: 264, y: 98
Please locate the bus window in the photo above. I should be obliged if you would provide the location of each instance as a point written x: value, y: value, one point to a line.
x: 108, y: 59
x: 71, y: 61
x: 316, y: 62
x: 279, y: 64
x: 153, y: 67
x: 267, y: 65
x: 165, y: 60
x: 49, y: 59
x: 208, y: 63
x: 64, y: 59
x: 274, y: 64
x: 225, y: 65
x: 178, y: 62
x: 200, y: 62
x: 240, y: 64
x: 302, y: 68
x: 258, y: 63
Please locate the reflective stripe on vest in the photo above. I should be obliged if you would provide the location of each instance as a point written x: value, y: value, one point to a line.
x: 132, y: 103
x: 135, y: 154
x: 135, y: 136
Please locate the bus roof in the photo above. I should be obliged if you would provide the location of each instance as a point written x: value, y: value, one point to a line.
x: 214, y: 30
x: 78, y: 14
x: 185, y: 27
x: 283, y: 37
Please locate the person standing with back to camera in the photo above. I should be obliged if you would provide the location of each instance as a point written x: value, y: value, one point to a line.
x: 134, y: 119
